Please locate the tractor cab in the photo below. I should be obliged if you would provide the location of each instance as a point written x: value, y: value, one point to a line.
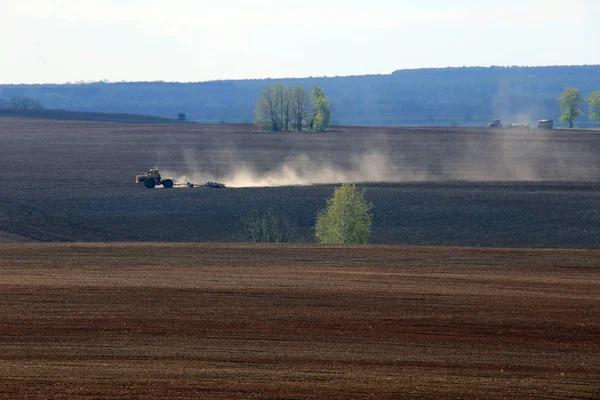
x: 153, y: 173
x: 153, y: 178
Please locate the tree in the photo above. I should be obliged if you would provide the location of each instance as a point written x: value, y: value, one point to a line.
x: 595, y: 106
x: 322, y: 114
x: 269, y: 112
x: 570, y: 101
x: 280, y: 95
x: 181, y: 117
x: 282, y: 108
x: 322, y: 111
x: 346, y: 219
x: 300, y: 107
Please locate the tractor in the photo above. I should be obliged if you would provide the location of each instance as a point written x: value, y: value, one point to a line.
x: 152, y: 178
x: 495, y: 124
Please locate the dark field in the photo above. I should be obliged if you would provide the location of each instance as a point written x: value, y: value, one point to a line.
x: 231, y: 321
x: 240, y: 321
x: 73, y: 181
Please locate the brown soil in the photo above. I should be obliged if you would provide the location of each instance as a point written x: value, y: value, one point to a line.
x: 229, y: 321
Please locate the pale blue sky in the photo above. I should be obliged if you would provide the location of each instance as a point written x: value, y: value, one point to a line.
x: 195, y: 40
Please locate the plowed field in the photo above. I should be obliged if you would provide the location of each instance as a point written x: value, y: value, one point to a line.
x: 74, y: 181
x: 230, y: 321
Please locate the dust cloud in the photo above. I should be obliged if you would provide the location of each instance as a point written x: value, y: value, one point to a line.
x: 302, y: 170
x: 499, y: 156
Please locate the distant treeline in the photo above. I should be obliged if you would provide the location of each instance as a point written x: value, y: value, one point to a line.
x: 21, y: 103
x: 66, y: 115
x: 467, y: 96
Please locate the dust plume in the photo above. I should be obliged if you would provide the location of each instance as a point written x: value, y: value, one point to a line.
x: 502, y: 155
x: 302, y: 170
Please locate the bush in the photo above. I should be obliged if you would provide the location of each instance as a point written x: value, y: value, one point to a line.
x: 347, y: 218
x: 268, y: 227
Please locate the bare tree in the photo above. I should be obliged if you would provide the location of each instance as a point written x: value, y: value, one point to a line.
x: 300, y: 107
x: 268, y: 227
x: 280, y: 97
x: 266, y: 115
x: 287, y: 110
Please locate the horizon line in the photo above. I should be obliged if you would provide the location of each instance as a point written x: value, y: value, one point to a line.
x: 106, y: 81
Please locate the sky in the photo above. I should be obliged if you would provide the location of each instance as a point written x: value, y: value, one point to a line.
x: 199, y: 40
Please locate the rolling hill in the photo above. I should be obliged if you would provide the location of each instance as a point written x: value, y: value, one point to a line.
x: 423, y: 97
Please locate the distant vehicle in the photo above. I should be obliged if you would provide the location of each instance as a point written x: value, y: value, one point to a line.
x: 545, y: 124
x: 495, y: 124
x: 152, y: 178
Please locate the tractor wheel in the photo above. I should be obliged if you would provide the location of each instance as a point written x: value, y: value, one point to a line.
x: 168, y: 183
x: 149, y: 183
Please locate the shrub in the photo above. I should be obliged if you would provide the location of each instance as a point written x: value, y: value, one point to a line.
x: 267, y: 227
x: 347, y: 218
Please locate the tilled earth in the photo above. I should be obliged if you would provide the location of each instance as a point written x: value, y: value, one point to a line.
x: 73, y: 181
x: 234, y: 321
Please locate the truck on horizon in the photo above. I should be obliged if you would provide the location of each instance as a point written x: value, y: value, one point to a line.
x: 545, y: 124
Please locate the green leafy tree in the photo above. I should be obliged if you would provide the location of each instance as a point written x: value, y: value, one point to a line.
x: 322, y: 110
x: 595, y: 106
x: 570, y: 101
x: 322, y: 115
x: 317, y: 92
x: 346, y: 219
